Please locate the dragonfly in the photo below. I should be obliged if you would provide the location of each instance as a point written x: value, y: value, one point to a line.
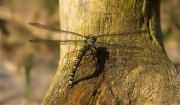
x: 89, y: 43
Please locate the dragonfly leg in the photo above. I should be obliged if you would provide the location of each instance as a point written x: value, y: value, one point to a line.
x: 94, y: 58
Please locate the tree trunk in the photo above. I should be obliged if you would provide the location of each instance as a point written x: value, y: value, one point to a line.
x: 135, y: 71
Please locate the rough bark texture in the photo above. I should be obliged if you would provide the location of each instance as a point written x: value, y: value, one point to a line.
x: 123, y: 75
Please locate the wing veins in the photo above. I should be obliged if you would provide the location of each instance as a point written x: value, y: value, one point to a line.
x: 42, y: 26
x: 125, y: 33
x: 119, y: 46
x: 55, y: 41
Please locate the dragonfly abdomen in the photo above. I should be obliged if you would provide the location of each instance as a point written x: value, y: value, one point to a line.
x: 79, y: 57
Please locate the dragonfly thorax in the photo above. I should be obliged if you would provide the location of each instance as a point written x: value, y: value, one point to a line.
x: 90, y: 41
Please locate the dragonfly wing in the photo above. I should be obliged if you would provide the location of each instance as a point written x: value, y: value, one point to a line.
x: 124, y: 34
x: 42, y: 26
x: 87, y: 55
x: 116, y: 46
x: 128, y: 41
x: 56, y: 42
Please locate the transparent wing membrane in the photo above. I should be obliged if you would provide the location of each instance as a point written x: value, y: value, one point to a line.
x: 120, y: 47
x: 124, y: 34
x: 55, y: 42
x: 42, y: 26
x: 70, y: 53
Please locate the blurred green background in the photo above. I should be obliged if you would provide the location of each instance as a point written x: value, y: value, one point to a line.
x: 20, y: 59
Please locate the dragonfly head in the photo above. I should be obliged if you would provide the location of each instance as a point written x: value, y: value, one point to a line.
x: 91, y: 40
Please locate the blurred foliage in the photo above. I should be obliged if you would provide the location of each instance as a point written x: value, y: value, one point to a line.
x: 19, y: 58
x: 3, y: 27
x: 51, y: 5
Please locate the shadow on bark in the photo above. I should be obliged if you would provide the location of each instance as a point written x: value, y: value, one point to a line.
x: 101, y: 56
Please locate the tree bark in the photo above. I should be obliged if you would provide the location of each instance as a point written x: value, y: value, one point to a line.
x: 126, y: 74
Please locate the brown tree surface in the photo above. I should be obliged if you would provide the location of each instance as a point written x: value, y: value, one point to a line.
x: 135, y: 70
